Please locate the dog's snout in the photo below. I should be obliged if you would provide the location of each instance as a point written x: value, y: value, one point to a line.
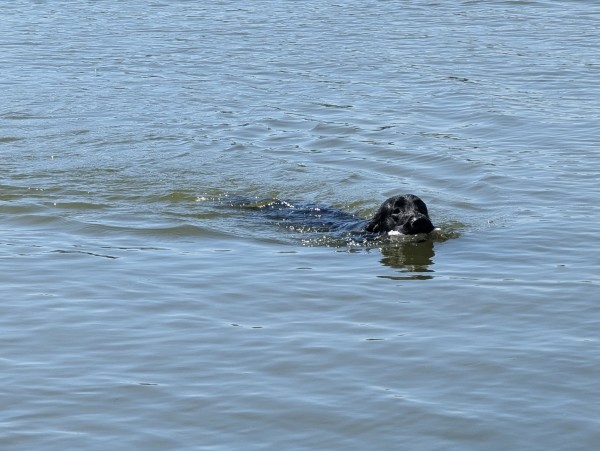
x: 420, y: 224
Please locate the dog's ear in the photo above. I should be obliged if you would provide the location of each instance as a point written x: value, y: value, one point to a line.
x: 383, y: 221
x: 373, y: 225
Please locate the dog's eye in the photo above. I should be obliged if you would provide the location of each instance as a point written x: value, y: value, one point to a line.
x: 421, y: 206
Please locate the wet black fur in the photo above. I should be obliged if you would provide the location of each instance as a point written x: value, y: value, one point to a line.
x: 406, y: 214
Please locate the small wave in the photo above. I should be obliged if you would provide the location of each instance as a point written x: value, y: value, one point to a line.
x: 18, y: 115
x: 9, y: 139
x: 92, y: 254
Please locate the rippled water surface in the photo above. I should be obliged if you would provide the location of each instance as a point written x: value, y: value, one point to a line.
x: 151, y: 300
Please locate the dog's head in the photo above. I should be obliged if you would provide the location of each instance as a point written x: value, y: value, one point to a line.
x: 406, y: 214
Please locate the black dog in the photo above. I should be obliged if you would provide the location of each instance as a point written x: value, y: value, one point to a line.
x: 406, y: 214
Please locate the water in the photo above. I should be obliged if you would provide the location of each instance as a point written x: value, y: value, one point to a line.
x: 145, y: 307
